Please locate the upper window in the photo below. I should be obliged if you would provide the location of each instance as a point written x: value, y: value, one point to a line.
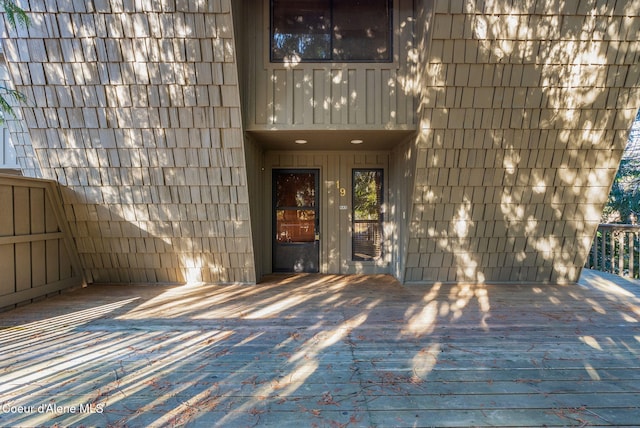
x: 331, y: 30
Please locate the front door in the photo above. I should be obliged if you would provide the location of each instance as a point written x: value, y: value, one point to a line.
x: 295, y: 220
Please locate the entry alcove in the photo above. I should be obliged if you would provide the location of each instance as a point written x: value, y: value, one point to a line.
x: 333, y: 160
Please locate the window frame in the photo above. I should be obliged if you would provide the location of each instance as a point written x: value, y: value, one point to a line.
x: 391, y: 41
x: 380, y: 220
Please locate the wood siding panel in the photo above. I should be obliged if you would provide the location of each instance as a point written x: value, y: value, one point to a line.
x: 262, y: 98
x: 255, y: 198
x: 280, y: 100
x: 337, y: 96
x: 361, y: 97
x: 319, y: 91
x: 352, y: 97
x: 300, y: 96
x: 331, y: 234
x: 370, y: 95
x: 372, y: 90
x: 389, y: 99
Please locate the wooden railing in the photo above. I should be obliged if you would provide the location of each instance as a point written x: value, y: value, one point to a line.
x: 616, y: 249
x: 37, y: 254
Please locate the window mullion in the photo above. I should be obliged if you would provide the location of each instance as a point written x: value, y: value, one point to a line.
x: 331, y: 39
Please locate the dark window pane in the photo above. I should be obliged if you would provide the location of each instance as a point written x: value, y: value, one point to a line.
x: 301, y: 30
x: 295, y: 190
x: 325, y: 30
x: 367, y: 241
x: 295, y: 225
x: 361, y: 30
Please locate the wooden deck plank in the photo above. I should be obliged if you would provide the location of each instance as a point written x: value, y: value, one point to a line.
x: 362, y: 351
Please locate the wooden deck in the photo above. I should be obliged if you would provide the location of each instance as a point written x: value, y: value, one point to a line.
x: 326, y: 351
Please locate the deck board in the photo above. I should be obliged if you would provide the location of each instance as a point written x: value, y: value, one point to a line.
x: 357, y: 351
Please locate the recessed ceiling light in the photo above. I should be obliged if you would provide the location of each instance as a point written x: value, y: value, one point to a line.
x: 356, y: 141
x: 301, y: 141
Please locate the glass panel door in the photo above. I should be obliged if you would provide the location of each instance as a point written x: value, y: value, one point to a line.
x: 295, y: 221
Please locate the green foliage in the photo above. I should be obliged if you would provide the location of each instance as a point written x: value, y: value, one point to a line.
x: 623, y: 205
x: 10, y: 93
x: 15, y: 16
x: 366, y: 187
x: 624, y: 200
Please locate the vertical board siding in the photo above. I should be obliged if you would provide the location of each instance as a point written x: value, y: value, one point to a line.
x: 261, y: 91
x: 352, y: 97
x: 372, y: 89
x: 387, y: 105
x: 300, y: 95
x: 371, y: 95
x: 35, y: 245
x: 280, y: 105
x: 307, y: 97
x: 318, y: 84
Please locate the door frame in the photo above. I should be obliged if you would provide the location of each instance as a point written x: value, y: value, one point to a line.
x: 383, y: 264
x: 334, y: 174
x: 318, y: 215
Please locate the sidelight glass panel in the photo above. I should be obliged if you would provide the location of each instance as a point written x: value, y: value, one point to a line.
x: 367, y: 214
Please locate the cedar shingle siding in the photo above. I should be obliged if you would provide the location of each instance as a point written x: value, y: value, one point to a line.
x: 504, y: 126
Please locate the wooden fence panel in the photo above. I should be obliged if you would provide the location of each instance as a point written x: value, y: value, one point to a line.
x: 37, y: 254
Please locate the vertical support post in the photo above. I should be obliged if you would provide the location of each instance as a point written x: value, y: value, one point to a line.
x: 612, y: 251
x: 632, y: 250
x: 594, y: 252
x: 603, y: 251
x: 621, y: 234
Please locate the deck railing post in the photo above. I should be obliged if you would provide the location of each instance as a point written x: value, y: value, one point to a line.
x: 620, y: 236
x: 614, y: 249
x: 603, y: 250
x: 632, y: 249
